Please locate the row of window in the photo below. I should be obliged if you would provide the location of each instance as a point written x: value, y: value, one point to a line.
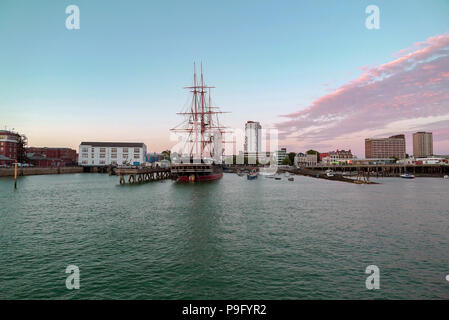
x: 113, y: 150
x: 113, y: 156
x: 101, y: 162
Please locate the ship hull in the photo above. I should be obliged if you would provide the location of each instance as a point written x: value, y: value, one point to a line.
x: 210, y: 177
x: 200, y: 172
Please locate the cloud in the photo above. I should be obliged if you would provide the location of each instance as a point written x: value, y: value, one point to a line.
x: 404, y: 95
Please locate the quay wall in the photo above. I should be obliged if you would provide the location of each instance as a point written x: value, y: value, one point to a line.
x: 9, y: 172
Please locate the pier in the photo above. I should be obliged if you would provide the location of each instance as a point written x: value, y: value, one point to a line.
x: 387, y: 170
x: 142, y: 175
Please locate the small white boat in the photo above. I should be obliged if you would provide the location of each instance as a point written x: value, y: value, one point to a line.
x: 446, y: 177
x: 407, y: 176
x: 329, y: 173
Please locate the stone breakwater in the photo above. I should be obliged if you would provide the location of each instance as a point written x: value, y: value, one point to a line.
x: 9, y: 172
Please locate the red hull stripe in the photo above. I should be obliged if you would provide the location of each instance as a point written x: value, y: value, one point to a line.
x: 201, y: 178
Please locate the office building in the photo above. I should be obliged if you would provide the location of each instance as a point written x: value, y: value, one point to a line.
x: 392, y: 147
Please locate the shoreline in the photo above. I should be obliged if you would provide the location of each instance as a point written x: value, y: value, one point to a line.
x: 9, y: 172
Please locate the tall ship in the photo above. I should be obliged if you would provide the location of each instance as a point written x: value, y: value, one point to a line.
x: 198, y: 156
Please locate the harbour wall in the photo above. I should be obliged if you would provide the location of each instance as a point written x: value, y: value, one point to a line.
x: 9, y: 172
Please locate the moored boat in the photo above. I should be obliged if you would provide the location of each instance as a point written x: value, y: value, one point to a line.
x: 196, y: 172
x: 407, y: 176
x: 200, y: 156
x: 252, y: 175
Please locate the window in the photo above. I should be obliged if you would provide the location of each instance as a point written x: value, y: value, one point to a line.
x: 93, y: 149
x: 114, y: 156
x: 102, y: 155
x: 136, y: 156
x: 114, y: 150
x: 136, y: 150
x: 84, y: 162
x: 102, y: 162
x: 125, y: 156
x: 102, y: 149
x: 125, y: 150
x: 84, y: 150
x: 85, y: 155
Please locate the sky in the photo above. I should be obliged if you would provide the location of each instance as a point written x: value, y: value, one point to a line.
x: 311, y: 69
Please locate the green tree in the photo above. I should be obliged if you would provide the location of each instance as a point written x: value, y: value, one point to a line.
x: 166, y: 154
x: 291, y: 156
x: 286, y: 161
x: 21, y: 151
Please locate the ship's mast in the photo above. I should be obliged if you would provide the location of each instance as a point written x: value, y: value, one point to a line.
x: 200, y: 125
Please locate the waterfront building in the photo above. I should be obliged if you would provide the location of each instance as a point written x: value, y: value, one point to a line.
x: 306, y: 160
x: 253, y: 139
x: 155, y: 157
x: 111, y: 153
x: 422, y: 144
x: 281, y: 155
x: 392, y: 147
x: 430, y: 160
x: 51, y: 157
x: 9, y: 145
x: 338, y: 157
x: 372, y: 161
x: 324, y: 157
x: 5, y: 161
x: 340, y: 154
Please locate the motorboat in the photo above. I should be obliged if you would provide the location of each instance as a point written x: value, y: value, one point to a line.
x: 407, y: 176
x: 252, y: 175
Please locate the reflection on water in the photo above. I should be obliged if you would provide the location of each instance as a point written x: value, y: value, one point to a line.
x: 228, y: 239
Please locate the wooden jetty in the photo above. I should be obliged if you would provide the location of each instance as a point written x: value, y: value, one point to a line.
x: 142, y: 174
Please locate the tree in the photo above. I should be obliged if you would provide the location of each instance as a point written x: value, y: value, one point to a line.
x: 21, y: 151
x: 291, y: 156
x: 166, y: 154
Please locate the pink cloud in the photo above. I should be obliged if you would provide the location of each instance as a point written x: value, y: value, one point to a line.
x: 406, y: 94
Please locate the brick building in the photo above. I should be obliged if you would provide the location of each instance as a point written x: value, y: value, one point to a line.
x: 422, y: 144
x: 392, y: 147
x: 9, y: 144
x: 51, y: 157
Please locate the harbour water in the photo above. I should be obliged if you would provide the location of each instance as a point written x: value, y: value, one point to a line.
x: 228, y: 239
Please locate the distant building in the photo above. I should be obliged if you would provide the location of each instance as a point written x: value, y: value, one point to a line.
x: 5, y: 161
x: 324, y: 157
x: 111, y: 153
x: 155, y: 157
x: 422, y: 144
x: 51, y: 157
x: 430, y: 160
x: 281, y: 155
x: 391, y: 147
x: 306, y: 160
x: 9, y: 142
x: 340, y: 154
x: 253, y: 139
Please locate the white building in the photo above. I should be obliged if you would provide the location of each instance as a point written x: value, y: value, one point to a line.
x: 253, y: 139
x: 306, y: 160
x: 281, y: 155
x: 430, y: 160
x: 111, y: 153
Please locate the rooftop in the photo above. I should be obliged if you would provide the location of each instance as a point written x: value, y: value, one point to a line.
x: 114, y: 144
